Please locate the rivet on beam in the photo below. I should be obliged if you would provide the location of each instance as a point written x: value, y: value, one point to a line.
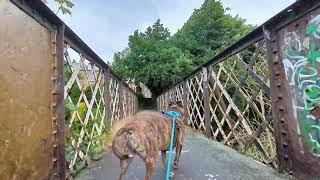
x: 284, y: 132
x: 54, y: 66
x: 286, y: 157
x: 301, y: 152
x: 277, y: 73
x: 53, y: 40
x: 282, y: 120
x: 54, y: 132
x: 281, y: 108
x: 279, y: 84
x: 285, y: 144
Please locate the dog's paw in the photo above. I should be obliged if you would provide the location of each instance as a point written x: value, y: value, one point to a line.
x: 175, y: 166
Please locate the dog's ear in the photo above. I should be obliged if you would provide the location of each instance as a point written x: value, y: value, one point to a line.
x: 179, y: 103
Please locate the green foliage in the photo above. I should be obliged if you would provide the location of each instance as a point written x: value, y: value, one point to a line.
x: 151, y: 59
x: 64, y: 6
x: 208, y: 31
x: 157, y: 59
x: 81, y: 109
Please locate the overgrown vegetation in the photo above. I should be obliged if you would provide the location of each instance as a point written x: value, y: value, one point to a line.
x: 77, y: 125
x: 157, y: 59
x: 76, y: 111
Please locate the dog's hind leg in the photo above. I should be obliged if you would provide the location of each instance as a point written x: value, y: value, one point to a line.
x: 150, y: 167
x: 124, y: 164
x: 177, y: 158
x: 164, y: 158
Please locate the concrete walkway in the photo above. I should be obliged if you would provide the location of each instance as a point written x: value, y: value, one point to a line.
x: 202, y: 159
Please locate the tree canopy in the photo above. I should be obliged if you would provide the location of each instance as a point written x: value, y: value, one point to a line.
x: 157, y: 59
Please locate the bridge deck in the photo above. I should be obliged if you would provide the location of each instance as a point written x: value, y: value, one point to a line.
x: 202, y: 159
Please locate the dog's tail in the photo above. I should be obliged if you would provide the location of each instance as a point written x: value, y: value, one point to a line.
x: 123, y: 144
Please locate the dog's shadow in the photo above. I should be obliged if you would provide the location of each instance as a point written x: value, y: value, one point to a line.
x: 136, y: 170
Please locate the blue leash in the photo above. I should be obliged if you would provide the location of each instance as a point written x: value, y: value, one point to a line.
x: 173, y: 115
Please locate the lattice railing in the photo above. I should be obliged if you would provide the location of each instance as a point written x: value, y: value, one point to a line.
x: 230, y: 102
x: 240, y: 106
x: 174, y: 94
x: 94, y: 100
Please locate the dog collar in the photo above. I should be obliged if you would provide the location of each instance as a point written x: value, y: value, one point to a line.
x: 172, y: 114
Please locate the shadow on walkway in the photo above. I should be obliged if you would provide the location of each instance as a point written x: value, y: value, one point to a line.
x: 201, y: 159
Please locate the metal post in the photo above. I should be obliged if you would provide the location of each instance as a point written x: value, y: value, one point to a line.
x: 120, y: 105
x: 278, y: 111
x: 107, y: 98
x: 58, y: 100
x: 185, y: 102
x: 206, y: 101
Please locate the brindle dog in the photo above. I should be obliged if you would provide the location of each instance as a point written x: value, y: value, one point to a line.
x: 148, y: 134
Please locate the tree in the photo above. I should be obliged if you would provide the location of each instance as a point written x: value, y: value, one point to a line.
x: 208, y: 31
x: 157, y: 59
x: 150, y: 59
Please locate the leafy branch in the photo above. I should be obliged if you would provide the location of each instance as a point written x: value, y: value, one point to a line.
x: 64, y: 6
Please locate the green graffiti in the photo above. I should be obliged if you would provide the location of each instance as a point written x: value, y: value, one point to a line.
x: 311, y: 29
x: 301, y: 65
x: 314, y: 54
x: 313, y: 92
x: 310, y: 132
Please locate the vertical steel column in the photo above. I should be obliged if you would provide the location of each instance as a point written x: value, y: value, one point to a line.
x: 278, y: 98
x: 185, y: 102
x: 57, y: 40
x: 120, y: 105
x: 107, y: 97
x: 206, y: 101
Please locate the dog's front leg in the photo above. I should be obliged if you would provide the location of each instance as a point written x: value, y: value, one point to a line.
x: 150, y: 167
x: 177, y: 158
x: 164, y: 158
x: 124, y: 164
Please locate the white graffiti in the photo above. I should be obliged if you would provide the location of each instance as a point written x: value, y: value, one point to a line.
x: 300, y: 58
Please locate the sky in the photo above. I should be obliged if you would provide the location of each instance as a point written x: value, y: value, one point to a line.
x: 106, y: 25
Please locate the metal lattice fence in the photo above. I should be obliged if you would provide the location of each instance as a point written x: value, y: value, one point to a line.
x: 233, y: 96
x: 94, y: 100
